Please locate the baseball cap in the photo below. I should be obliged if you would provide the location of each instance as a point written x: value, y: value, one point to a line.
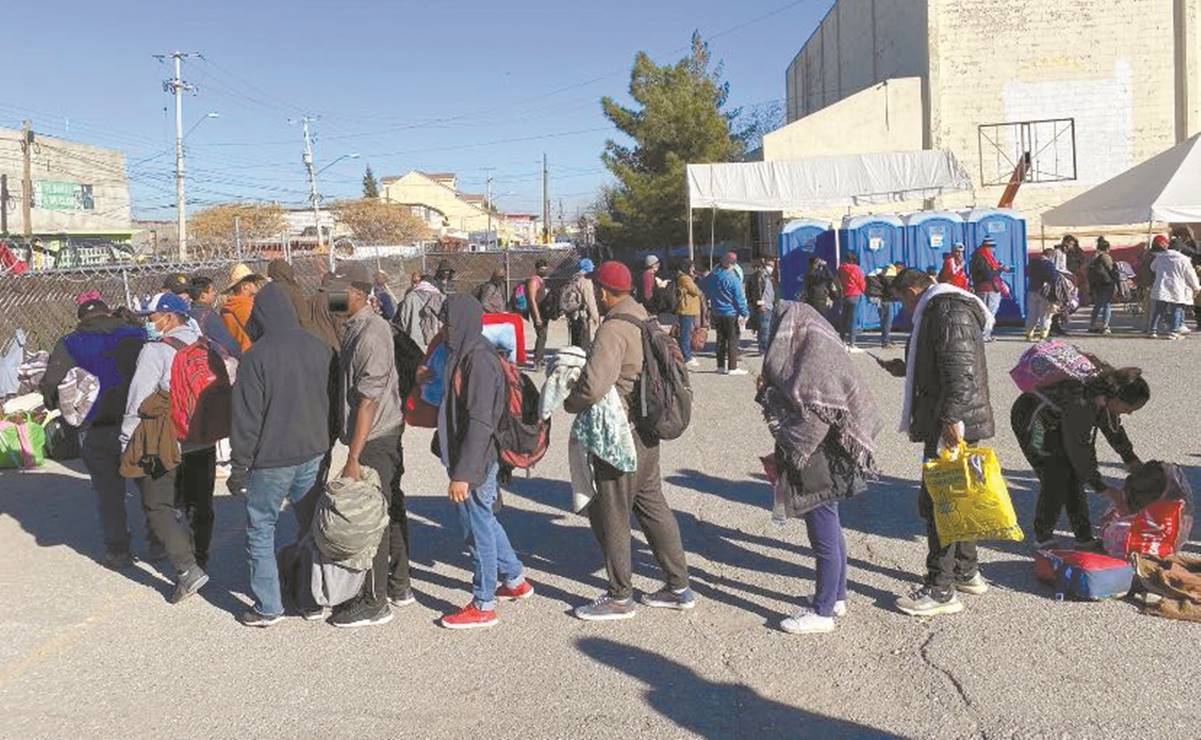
x: 177, y: 283
x: 165, y: 303
x: 91, y: 306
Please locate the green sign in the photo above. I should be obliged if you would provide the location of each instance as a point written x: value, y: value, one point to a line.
x: 54, y: 195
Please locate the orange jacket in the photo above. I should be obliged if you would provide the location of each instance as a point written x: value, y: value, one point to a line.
x: 236, y: 315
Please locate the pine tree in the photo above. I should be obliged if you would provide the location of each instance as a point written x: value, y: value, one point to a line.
x: 370, y: 186
x: 680, y: 118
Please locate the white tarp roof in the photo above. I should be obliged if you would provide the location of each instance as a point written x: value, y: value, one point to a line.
x: 861, y: 179
x: 1165, y: 188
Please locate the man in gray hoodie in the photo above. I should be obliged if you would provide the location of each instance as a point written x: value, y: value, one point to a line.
x: 168, y: 329
x: 279, y: 435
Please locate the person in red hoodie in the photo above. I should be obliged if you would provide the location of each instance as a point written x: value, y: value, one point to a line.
x: 953, y: 269
x: 853, y: 284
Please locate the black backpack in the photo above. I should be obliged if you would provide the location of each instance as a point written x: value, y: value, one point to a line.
x: 1098, y: 275
x: 551, y: 306
x: 664, y: 407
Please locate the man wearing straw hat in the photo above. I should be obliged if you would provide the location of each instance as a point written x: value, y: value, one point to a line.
x: 243, y: 284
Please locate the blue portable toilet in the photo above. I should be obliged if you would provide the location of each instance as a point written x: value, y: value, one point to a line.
x: 1007, y: 229
x: 929, y: 235
x: 801, y: 239
x: 878, y: 240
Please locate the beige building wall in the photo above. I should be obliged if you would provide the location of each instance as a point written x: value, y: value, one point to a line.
x: 885, y: 117
x: 418, y: 189
x: 77, y: 189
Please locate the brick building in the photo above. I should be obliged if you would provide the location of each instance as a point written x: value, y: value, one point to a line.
x: 1088, y: 88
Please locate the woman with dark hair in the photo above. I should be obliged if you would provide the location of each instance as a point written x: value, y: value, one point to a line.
x: 824, y: 423
x: 689, y: 302
x: 1057, y: 430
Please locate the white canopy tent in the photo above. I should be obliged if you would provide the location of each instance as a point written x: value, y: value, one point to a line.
x: 1165, y: 189
x: 817, y: 182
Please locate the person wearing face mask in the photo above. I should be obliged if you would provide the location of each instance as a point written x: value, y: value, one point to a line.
x: 761, y: 296
x: 167, y: 330
x: 1057, y: 430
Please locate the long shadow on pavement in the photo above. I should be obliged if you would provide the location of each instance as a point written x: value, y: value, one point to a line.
x: 709, y: 708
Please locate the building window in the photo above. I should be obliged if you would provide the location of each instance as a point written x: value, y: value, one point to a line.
x: 1046, y: 149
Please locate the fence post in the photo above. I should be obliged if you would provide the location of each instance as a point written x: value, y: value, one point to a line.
x: 238, y: 237
x: 508, y: 276
x: 423, y: 248
x: 287, y: 245
x: 125, y: 284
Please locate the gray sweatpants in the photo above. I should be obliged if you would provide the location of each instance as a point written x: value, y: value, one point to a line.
x: 641, y: 492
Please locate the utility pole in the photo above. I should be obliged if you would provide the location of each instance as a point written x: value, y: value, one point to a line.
x: 3, y: 205
x: 488, y: 203
x: 26, y: 179
x: 545, y: 203
x: 313, y: 197
x: 178, y: 87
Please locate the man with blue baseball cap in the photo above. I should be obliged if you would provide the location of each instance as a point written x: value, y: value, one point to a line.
x: 167, y: 330
x: 579, y: 306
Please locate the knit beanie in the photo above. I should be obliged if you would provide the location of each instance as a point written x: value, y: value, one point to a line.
x: 615, y: 276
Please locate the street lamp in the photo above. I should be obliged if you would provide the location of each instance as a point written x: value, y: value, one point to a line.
x: 202, y: 120
x: 317, y: 205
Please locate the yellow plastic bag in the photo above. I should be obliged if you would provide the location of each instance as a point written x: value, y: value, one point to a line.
x: 971, y: 500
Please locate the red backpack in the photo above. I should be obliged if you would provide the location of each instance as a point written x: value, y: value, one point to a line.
x: 201, y: 391
x: 522, y: 436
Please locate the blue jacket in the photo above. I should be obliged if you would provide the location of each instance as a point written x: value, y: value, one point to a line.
x: 1040, y: 273
x: 726, y: 294
x: 106, y: 347
x: 214, y: 329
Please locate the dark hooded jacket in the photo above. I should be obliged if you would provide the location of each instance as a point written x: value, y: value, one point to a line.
x: 108, y: 348
x: 283, y: 275
x: 950, y: 381
x: 281, y: 400
x: 475, y: 395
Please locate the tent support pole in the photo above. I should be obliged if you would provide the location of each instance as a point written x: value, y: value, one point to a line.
x: 712, y: 234
x: 691, y: 248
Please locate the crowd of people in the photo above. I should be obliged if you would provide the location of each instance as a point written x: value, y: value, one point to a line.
x: 317, y: 368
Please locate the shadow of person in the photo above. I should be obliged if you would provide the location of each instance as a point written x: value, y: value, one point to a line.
x: 710, y: 708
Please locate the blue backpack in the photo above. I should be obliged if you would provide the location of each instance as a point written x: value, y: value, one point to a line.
x: 99, y: 354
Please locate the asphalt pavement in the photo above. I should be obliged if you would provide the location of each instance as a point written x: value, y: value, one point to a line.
x: 89, y: 652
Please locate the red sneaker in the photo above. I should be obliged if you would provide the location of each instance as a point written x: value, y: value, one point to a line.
x: 469, y: 617
x: 517, y: 593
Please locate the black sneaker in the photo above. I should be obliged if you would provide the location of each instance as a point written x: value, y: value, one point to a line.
x: 251, y: 618
x: 190, y: 581
x: 665, y: 598
x: 117, y: 560
x: 606, y: 608
x: 402, y: 598
x: 362, y: 613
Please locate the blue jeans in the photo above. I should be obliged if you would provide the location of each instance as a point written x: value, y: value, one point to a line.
x: 1172, y: 313
x: 764, y: 334
x: 491, y: 553
x: 266, y: 491
x: 686, y: 325
x: 992, y: 301
x: 1102, y: 307
x: 830, y: 553
x: 849, y: 327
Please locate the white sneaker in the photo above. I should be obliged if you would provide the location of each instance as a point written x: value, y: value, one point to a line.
x: 840, y: 606
x: 807, y: 622
x: 855, y: 350
x: 692, y: 364
x: 1185, y: 330
x: 737, y: 371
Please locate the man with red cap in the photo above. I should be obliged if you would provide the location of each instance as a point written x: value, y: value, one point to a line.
x: 616, y: 361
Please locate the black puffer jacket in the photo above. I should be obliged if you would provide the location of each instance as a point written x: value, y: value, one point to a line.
x: 951, y: 375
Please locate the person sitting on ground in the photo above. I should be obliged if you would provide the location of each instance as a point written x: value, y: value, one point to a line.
x: 617, y: 359
x: 203, y: 311
x: 235, y: 312
x: 689, y: 301
x: 107, y: 347
x: 279, y: 436
x: 852, y: 284
x: 727, y: 304
x: 1103, y: 282
x: 824, y: 422
x: 492, y: 294
x: 953, y: 270
x: 168, y: 330
x: 1057, y: 427
x: 946, y: 403
x: 476, y: 392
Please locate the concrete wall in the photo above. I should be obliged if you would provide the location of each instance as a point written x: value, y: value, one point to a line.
x: 885, y: 117
x: 60, y: 169
x: 858, y: 44
x: 1109, y: 66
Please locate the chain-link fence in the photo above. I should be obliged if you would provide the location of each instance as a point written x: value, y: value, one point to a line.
x: 42, y: 302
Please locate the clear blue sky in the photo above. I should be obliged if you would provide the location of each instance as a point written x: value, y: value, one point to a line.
x: 435, y: 85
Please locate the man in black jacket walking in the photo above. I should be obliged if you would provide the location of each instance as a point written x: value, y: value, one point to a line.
x: 279, y: 435
x: 946, y: 402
